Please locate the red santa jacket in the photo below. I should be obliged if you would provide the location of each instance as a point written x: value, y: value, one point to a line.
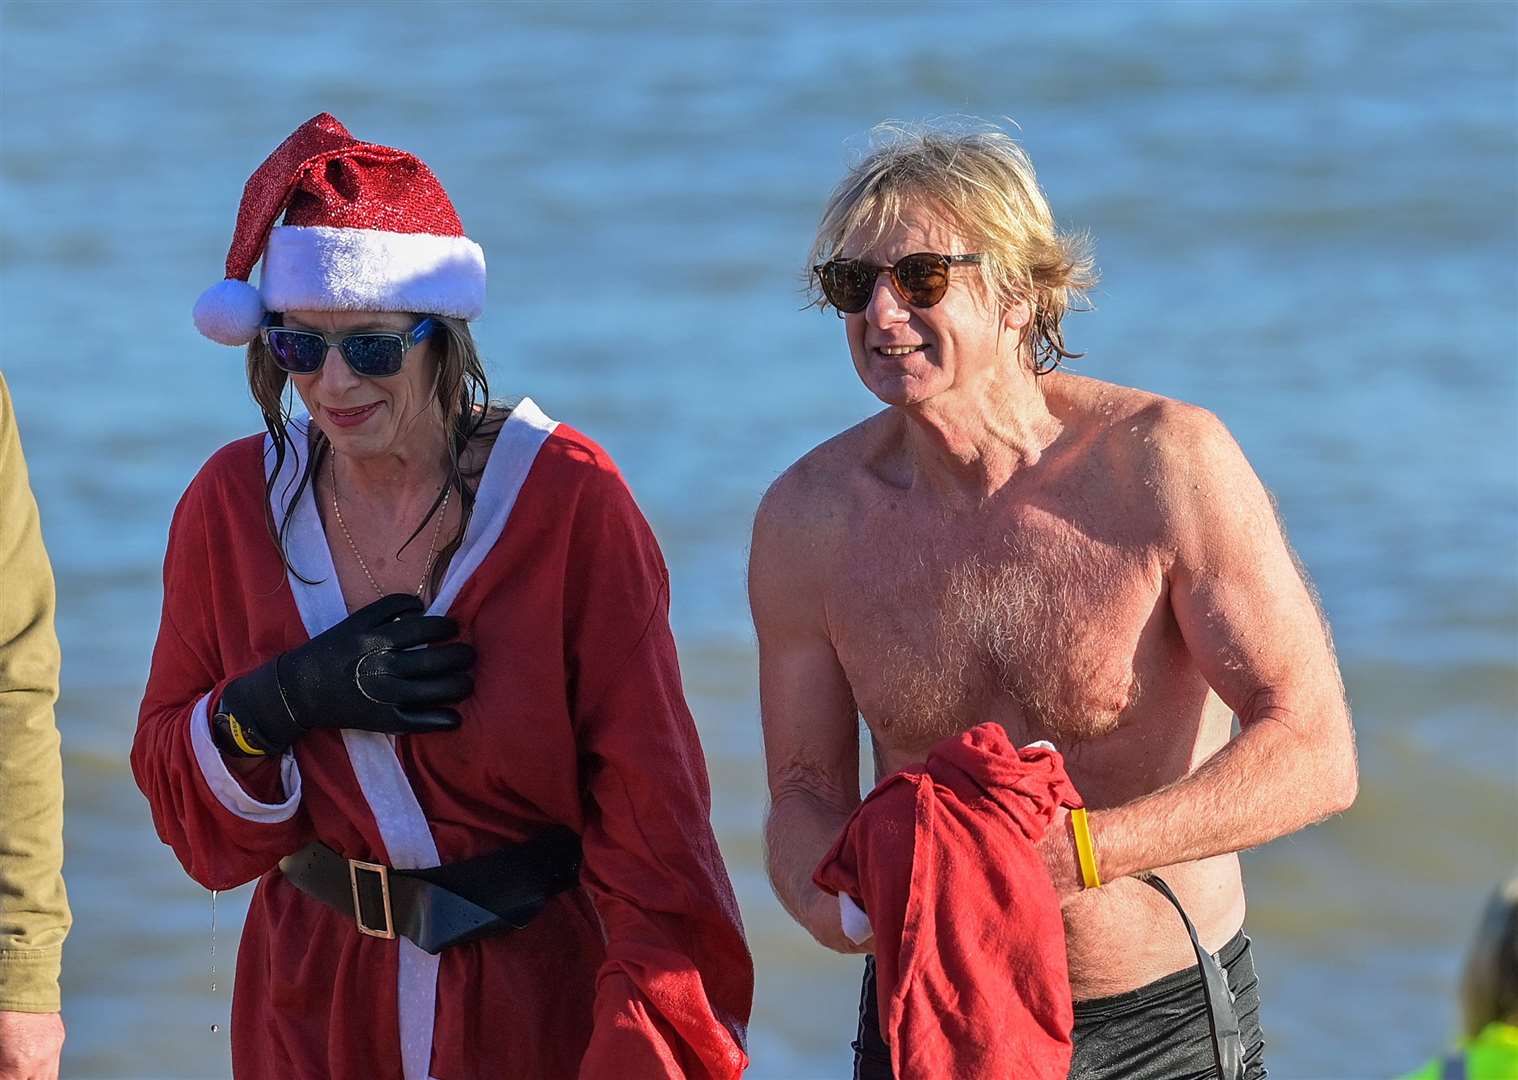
x: 969, y: 946
x: 577, y: 718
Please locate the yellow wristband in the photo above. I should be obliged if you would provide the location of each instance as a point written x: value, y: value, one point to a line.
x: 242, y: 740
x: 1083, y: 848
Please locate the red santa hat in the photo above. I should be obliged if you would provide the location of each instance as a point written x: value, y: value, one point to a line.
x: 367, y: 228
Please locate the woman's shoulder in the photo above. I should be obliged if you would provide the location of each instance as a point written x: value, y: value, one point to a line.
x: 581, y: 468
x: 579, y: 450
x: 605, y: 526
x: 238, y: 459
x: 568, y: 454
x: 239, y: 454
x: 232, y: 472
x: 574, y: 473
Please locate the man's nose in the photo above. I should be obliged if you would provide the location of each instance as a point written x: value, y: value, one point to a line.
x: 885, y: 306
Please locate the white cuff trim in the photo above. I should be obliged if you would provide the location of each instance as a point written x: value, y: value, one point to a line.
x: 232, y: 795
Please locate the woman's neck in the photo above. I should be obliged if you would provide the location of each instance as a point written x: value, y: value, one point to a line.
x: 397, y: 480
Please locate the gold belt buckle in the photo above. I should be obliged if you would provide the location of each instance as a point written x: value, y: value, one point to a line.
x: 383, y: 873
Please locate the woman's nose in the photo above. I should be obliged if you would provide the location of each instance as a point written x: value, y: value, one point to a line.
x: 335, y: 373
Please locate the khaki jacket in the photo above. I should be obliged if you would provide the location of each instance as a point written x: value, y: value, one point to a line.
x: 34, y: 911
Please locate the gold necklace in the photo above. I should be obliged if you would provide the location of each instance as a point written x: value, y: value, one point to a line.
x: 442, y: 512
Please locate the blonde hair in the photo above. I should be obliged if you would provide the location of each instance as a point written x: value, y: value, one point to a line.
x: 984, y: 184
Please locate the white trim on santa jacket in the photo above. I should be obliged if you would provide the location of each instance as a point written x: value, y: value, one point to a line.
x: 402, y: 824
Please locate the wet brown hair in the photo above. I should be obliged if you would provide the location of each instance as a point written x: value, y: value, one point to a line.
x: 462, y: 393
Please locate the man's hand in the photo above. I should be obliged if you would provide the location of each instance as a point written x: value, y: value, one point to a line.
x: 1057, y: 847
x: 825, y: 923
x: 29, y: 1045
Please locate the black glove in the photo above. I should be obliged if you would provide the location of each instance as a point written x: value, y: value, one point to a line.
x: 366, y: 672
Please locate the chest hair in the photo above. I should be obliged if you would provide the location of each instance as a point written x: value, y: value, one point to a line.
x: 1038, y: 631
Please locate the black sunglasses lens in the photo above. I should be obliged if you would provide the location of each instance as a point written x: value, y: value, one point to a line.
x: 847, y: 283
x: 923, y: 278
x: 373, y: 355
x: 296, y: 351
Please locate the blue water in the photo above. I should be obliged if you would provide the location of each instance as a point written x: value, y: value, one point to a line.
x: 1306, y: 217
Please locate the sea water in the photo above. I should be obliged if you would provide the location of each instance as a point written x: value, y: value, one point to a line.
x: 1304, y: 217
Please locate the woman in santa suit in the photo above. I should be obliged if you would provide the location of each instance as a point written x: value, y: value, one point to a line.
x: 415, y: 675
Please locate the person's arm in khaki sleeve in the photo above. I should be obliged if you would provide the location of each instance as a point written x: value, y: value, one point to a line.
x: 34, y: 913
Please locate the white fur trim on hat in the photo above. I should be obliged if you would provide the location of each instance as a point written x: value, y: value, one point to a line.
x: 229, y: 312
x: 321, y: 268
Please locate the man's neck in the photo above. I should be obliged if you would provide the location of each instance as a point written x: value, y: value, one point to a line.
x: 973, y: 441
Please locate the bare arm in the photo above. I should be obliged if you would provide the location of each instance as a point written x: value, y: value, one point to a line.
x: 1255, y: 633
x: 811, y: 735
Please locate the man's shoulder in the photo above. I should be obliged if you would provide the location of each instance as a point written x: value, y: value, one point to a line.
x: 1187, y: 450
x: 1105, y: 405
x: 819, y: 487
x: 802, y: 521
x: 1170, y: 468
x: 1155, y: 435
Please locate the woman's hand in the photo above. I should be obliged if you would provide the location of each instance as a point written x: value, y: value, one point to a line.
x: 380, y: 669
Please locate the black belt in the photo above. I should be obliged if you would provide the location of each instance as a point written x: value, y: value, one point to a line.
x: 442, y: 905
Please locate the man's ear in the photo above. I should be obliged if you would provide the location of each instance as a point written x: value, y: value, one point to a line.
x: 1018, y: 314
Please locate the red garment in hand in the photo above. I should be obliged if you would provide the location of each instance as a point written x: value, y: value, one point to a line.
x: 969, y: 945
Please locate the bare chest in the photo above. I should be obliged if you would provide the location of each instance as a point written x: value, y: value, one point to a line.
x: 1027, y: 620
x: 375, y: 558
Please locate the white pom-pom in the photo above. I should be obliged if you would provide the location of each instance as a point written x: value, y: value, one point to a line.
x: 230, y: 312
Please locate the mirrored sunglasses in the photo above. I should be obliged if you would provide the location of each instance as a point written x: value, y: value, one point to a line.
x: 921, y: 279
x: 373, y: 354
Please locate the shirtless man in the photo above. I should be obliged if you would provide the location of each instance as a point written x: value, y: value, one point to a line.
x: 1075, y: 560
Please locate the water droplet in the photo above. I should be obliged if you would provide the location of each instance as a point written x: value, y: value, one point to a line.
x: 215, y: 1028
x: 213, y: 941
